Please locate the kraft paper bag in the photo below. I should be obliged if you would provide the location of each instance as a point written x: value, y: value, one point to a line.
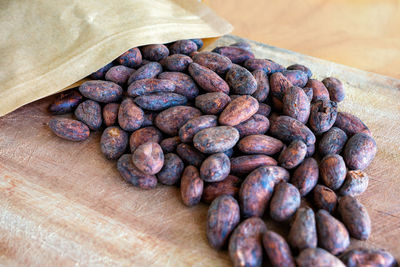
x: 48, y: 45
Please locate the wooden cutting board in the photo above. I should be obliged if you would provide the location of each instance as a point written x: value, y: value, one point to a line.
x: 64, y: 204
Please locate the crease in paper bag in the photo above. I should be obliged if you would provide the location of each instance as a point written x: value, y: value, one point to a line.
x: 49, y: 45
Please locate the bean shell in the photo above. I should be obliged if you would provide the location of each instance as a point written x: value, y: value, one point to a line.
x: 133, y: 175
x: 277, y: 250
x: 303, y: 231
x: 144, y: 135
x: 69, y: 129
x: 260, y: 144
x: 212, y: 103
x: 113, y: 142
x: 89, y: 112
x: 284, y: 202
x: 359, y: 151
x: 215, y: 168
x: 332, y: 234
x: 101, y: 91
x: 216, y: 139
x: 355, y: 216
x: 191, y: 186
x: 241, y: 81
x: 148, y: 158
x: 223, y: 216
x: 130, y: 116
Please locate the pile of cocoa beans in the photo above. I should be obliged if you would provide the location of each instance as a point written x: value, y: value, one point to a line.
x: 255, y: 140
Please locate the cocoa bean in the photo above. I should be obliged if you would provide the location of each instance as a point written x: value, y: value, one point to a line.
x: 322, y: 116
x: 130, y: 116
x: 229, y: 186
x: 160, y: 101
x: 317, y: 257
x: 113, y: 142
x: 119, y: 74
x: 149, y: 86
x: 335, y: 88
x: 301, y: 68
x: 262, y: 91
x: 238, y: 110
x: 172, y: 119
x: 277, y: 250
x: 305, y: 177
x: 303, y: 231
x: 293, y: 155
x: 296, y: 104
x: 131, y: 58
x: 267, y: 65
x: 66, y: 102
x: 368, y: 257
x: 154, y: 52
x: 240, y: 80
x: 263, y: 109
x: 190, y: 155
x: 236, y: 54
x: 100, y: 73
x: 257, y: 124
x: 332, y: 141
x: 215, y: 168
x: 169, y: 145
x: 216, y: 139
x: 198, y: 42
x: 288, y: 129
x: 133, y: 175
x: 176, y: 62
x: 223, y: 216
x: 356, y: 183
x: 185, y: 47
x: 193, y: 126
x: 284, y: 202
x: 278, y: 85
x: 148, y: 71
x: 207, y: 79
x: 191, y: 186
x: 148, y: 158
x: 319, y: 90
x: 260, y: 144
x: 110, y: 113
x: 101, y: 91
x: 324, y: 198
x: 184, y: 84
x: 69, y: 129
x: 246, y: 164
x: 212, y: 103
x: 296, y: 77
x: 213, y: 61
x: 333, y: 171
x: 350, y: 124
x: 144, y: 135
x: 359, y: 151
x: 89, y: 112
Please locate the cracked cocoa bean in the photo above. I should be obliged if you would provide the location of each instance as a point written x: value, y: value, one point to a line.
x: 356, y: 183
x: 148, y: 158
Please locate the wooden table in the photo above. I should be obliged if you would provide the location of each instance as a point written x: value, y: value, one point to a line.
x: 360, y: 33
x: 64, y: 204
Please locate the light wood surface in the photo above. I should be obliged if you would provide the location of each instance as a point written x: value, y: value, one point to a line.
x: 64, y: 204
x: 360, y: 33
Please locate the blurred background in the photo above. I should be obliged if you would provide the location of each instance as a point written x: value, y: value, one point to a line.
x: 364, y: 34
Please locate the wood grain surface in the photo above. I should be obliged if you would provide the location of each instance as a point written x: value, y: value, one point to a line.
x: 64, y: 204
x: 360, y: 33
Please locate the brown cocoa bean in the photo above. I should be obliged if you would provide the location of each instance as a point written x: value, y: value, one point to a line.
x: 131, y: 58
x: 262, y: 91
x: 148, y: 158
x: 356, y: 183
x: 223, y: 216
x: 332, y: 234
x: 216, y: 139
x: 144, y: 135
x: 296, y: 77
x: 322, y: 116
x: 133, y: 175
x: 212, y: 103
x: 242, y: 45
x: 319, y: 90
x: 160, y: 101
x: 355, y: 216
x: 263, y: 109
x: 101, y: 91
x: 169, y: 145
x: 359, y: 151
x: 296, y: 104
x: 350, y: 124
x: 184, y: 84
x: 305, y: 177
x: 171, y: 120
x: 113, y: 142
x: 324, y: 198
x: 207, y: 79
x: 148, y: 71
x: 176, y: 62
x: 172, y: 169
x: 191, y: 186
x: 288, y: 129
x: 317, y: 257
x: 69, y: 129
x: 368, y: 257
x: 241, y: 81
x: 154, y: 52
x: 257, y: 188
x: 303, y: 231
x: 149, y: 86
x: 110, y: 113
x: 267, y: 65
x: 65, y: 102
x: 215, y: 62
x: 215, y: 168
x: 193, y: 126
x: 198, y: 42
x: 332, y: 142
x: 302, y: 68
x: 260, y: 144
x: 185, y: 47
x: 333, y: 171
x: 89, y: 112
x: 236, y: 54
x: 130, y: 116
x: 246, y: 164
x: 278, y: 85
x: 119, y: 74
x: 229, y: 186
x: 293, y: 155
x: 277, y: 250
x: 284, y: 202
x: 99, y: 74
x: 335, y: 88
x: 309, y: 92
x: 238, y: 110
x: 190, y: 155
x: 257, y: 124
x: 245, y: 243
